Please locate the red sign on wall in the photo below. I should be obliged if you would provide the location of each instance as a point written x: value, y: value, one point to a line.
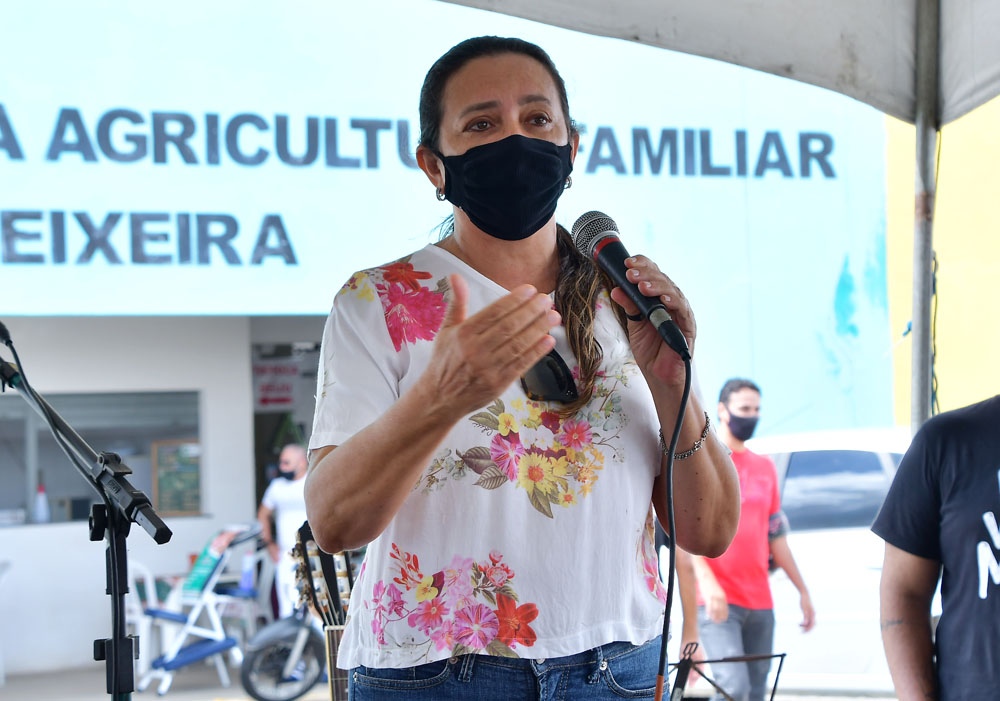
x: 274, y: 383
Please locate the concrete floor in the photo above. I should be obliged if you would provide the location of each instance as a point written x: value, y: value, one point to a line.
x: 194, y: 683
x: 200, y: 683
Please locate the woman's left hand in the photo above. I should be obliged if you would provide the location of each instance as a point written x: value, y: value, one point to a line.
x: 654, y: 356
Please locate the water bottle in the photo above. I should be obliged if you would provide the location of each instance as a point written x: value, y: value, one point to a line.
x: 247, y: 571
x: 42, y: 512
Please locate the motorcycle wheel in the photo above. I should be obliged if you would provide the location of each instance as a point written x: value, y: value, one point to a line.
x: 260, y: 672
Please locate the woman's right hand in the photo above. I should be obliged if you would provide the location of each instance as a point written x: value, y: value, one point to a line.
x: 353, y: 491
x: 475, y: 359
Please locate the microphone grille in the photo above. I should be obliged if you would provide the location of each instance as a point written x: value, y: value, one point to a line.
x: 590, y: 228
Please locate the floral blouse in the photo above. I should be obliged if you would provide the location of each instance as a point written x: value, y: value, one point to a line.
x: 527, y: 535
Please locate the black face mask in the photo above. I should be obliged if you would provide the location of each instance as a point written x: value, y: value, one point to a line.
x: 508, y: 188
x: 742, y: 427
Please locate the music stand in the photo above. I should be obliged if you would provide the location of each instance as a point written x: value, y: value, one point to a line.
x: 687, y: 663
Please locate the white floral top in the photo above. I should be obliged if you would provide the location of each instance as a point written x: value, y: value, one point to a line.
x: 527, y: 535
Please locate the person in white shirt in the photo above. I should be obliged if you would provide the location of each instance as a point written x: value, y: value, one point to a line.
x: 284, y: 500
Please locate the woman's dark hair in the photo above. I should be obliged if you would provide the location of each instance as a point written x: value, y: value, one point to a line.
x: 579, y: 282
x: 445, y: 67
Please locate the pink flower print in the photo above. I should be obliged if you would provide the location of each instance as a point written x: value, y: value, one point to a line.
x: 498, y: 575
x: 460, y: 594
x: 411, y: 315
x: 457, y: 570
x: 378, y: 592
x: 444, y: 637
x: 653, y: 582
x: 396, y: 606
x: 496, y: 571
x: 575, y: 434
x: 428, y: 615
x: 506, y: 452
x: 476, y: 626
x: 377, y: 628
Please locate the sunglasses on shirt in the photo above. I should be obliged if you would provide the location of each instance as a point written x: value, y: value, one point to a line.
x: 550, y: 380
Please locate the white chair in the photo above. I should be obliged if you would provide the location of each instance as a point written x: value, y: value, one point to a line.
x: 139, y: 622
x: 199, y: 641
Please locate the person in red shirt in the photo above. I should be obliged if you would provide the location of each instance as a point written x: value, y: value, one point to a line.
x: 735, y: 613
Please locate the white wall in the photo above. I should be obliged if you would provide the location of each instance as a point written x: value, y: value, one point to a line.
x: 287, y: 329
x: 52, y: 601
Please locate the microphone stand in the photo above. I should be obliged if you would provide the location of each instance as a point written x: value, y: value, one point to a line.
x: 110, y: 521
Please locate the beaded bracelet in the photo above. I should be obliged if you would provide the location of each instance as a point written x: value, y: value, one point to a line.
x: 694, y: 449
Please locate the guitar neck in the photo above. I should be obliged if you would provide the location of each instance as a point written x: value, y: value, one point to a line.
x: 326, y: 578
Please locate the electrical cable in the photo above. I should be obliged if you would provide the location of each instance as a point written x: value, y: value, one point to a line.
x: 672, y: 546
x: 935, y: 404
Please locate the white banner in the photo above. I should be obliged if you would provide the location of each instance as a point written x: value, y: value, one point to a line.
x: 218, y: 158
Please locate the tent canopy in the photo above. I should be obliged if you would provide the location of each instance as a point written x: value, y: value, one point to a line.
x: 862, y: 48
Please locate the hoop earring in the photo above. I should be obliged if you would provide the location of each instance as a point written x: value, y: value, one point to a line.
x: 569, y: 182
x: 439, y: 193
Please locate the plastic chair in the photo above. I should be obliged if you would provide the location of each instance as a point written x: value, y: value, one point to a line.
x: 135, y: 610
x: 195, y: 642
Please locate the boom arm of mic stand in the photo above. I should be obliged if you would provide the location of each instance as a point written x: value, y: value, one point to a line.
x: 107, y: 473
x: 123, y: 504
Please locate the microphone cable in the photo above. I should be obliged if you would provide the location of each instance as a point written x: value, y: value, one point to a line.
x: 672, y: 546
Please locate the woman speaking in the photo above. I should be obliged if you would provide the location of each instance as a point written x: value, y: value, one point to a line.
x: 487, y: 419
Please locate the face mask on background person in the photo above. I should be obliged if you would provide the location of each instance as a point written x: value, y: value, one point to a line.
x: 742, y: 427
x: 508, y: 188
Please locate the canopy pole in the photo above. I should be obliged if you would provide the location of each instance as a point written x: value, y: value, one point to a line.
x: 927, y: 46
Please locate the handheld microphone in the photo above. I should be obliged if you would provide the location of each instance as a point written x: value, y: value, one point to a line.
x: 4, y: 335
x: 596, y: 236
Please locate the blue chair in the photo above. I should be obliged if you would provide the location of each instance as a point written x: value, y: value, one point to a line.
x: 197, y: 640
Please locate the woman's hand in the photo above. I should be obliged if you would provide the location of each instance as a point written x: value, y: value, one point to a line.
x: 654, y: 356
x: 354, y: 490
x: 474, y: 360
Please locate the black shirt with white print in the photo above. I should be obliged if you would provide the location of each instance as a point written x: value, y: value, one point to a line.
x: 944, y: 505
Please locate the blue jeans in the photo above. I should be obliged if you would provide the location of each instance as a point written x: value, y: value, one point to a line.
x: 613, y: 671
x: 745, y: 632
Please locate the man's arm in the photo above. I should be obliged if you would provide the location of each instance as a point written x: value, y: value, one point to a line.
x: 782, y: 555
x: 686, y: 585
x: 907, y: 586
x: 716, y: 604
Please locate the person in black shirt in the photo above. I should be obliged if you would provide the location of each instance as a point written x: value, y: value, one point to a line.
x: 940, y: 520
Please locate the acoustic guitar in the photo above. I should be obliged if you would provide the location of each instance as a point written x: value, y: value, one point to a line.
x: 326, y: 582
